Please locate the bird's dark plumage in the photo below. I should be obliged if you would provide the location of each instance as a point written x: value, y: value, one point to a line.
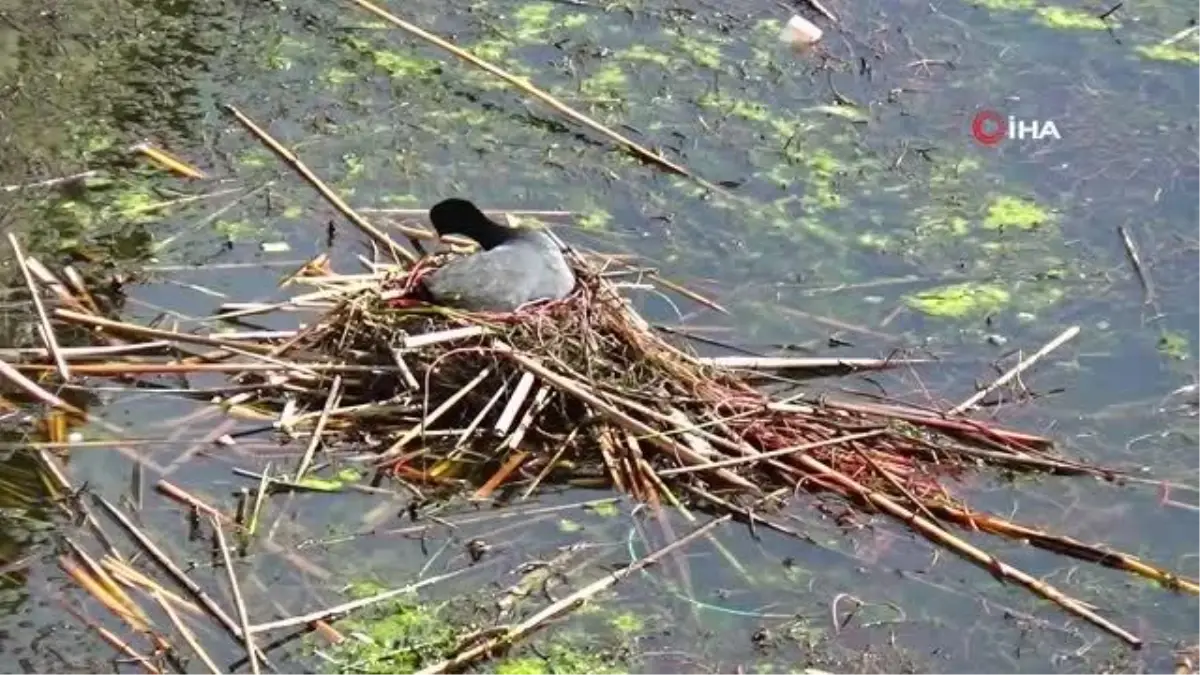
x: 516, y: 266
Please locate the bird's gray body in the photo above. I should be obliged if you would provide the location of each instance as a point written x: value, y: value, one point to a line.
x: 527, y: 266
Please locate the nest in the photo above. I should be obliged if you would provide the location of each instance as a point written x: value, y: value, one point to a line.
x: 584, y: 388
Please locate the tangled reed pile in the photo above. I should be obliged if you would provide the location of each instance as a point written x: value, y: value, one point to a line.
x: 584, y: 382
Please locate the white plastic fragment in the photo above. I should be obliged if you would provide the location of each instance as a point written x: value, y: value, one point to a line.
x: 800, y: 32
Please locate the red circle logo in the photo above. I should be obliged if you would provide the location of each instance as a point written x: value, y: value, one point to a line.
x: 989, y: 128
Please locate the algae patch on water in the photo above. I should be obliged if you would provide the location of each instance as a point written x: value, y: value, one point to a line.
x: 398, y: 636
x: 1069, y: 19
x: 1006, y: 211
x: 1173, y: 345
x: 959, y: 300
x: 1163, y: 52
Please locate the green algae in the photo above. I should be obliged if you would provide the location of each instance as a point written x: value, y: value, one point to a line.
x: 608, y: 81
x: 596, y: 220
x: 403, y: 635
x: 1161, y: 52
x: 398, y: 64
x: 337, y: 76
x: 532, y: 20
x: 605, y: 509
x: 1007, y: 211
x: 705, y: 53
x: 641, y: 52
x: 627, y: 623
x: 239, y: 230
x: 294, y: 212
x: 492, y: 49
x: 398, y: 636
x: 844, y: 111
x: 254, y: 158
x: 751, y: 111
x: 1064, y: 18
x: 960, y: 301
x: 1173, y: 344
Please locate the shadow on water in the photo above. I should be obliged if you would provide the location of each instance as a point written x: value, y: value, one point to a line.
x: 867, y: 220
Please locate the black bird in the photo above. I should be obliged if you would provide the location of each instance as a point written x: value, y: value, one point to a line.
x: 516, y: 266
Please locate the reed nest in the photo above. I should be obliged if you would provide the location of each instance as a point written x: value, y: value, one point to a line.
x: 586, y: 383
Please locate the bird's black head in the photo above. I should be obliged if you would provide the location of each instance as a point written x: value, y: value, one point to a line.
x: 459, y: 216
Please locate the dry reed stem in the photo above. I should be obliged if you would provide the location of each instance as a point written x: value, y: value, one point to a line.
x: 131, y: 577
x: 58, y: 477
x: 748, y: 514
x: 84, y: 352
x: 895, y: 483
x: 509, y: 414
x: 347, y: 607
x: 981, y: 558
x: 782, y: 452
x: 33, y: 389
x: 50, y: 182
x: 100, y: 592
x: 410, y: 342
x: 167, y: 161
x: 238, y: 602
x: 331, y: 401
x: 110, y: 584
x: 511, y: 464
x: 540, y: 400
x: 429, y: 419
x: 688, y: 293
x: 525, y: 86
x: 1068, y: 546
x: 188, y: 636
x: 797, y: 362
x: 742, y: 448
x: 111, y: 638
x: 47, y: 331
x: 172, y: 569
x: 78, y: 286
x: 56, y: 286
x: 1013, y: 372
x: 581, y: 391
x: 405, y: 371
x: 474, y: 424
x: 253, y: 351
x: 820, y: 7
x: 370, y: 230
x: 121, y: 368
x: 1139, y: 269
x: 533, y: 485
x: 260, y: 497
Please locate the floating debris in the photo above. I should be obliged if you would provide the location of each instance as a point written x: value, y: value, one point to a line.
x: 800, y: 32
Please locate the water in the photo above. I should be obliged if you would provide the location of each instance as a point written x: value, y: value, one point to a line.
x: 868, y: 213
